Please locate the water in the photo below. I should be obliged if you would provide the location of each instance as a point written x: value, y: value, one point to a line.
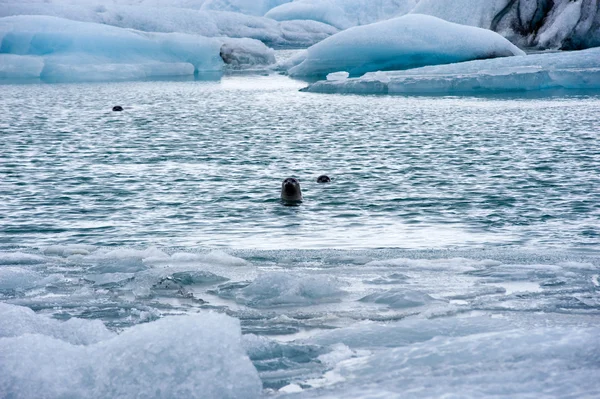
x: 452, y: 225
x: 201, y: 163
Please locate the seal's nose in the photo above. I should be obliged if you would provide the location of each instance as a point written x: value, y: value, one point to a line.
x: 289, y: 188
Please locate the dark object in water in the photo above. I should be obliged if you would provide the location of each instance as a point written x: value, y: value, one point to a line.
x: 290, y: 191
x: 117, y: 108
x: 323, y: 179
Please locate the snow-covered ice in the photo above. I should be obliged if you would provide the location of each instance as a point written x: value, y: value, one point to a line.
x: 401, y: 43
x: 561, y: 70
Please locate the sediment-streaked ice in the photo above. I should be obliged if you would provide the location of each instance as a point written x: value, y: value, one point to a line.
x: 425, y: 40
x: 558, y: 24
x: 562, y: 70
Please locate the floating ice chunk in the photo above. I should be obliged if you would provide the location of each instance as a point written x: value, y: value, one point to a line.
x: 17, y: 320
x: 399, y: 298
x: 245, y: 53
x: 20, y: 258
x: 279, y: 289
x: 68, y: 250
x: 83, y: 51
x: 16, y: 278
x: 338, y: 76
x: 198, y: 356
x: 215, y: 257
x: 401, y: 43
x: 563, y: 70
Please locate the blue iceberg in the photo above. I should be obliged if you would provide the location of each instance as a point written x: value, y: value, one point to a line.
x: 561, y: 70
x: 401, y: 43
x: 56, y: 49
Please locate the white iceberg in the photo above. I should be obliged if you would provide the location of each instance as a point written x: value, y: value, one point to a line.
x: 562, y: 70
x: 55, y: 49
x: 401, y: 43
x: 182, y: 20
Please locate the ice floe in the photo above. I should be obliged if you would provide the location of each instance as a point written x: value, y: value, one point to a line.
x: 405, y: 42
x: 561, y: 70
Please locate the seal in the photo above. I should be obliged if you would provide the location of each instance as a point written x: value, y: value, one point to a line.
x: 117, y: 108
x: 323, y: 179
x: 290, y: 190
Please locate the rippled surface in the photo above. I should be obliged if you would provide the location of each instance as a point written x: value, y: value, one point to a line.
x: 201, y: 163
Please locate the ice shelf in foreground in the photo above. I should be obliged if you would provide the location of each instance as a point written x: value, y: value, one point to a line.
x: 199, y: 356
x: 405, y: 42
x: 567, y: 70
x: 55, y: 49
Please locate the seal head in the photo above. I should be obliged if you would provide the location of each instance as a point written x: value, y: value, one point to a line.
x: 290, y: 190
x: 117, y: 108
x: 323, y: 179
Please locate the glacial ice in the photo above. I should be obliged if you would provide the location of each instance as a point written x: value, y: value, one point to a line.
x: 562, y: 70
x: 198, y: 356
x: 341, y: 13
x: 401, y: 43
x: 54, y: 49
x: 558, y: 24
x: 182, y: 20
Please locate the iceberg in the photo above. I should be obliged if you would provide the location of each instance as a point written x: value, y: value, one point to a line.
x: 405, y: 42
x: 182, y: 20
x: 561, y: 70
x: 542, y: 24
x: 55, y: 49
x: 199, y: 356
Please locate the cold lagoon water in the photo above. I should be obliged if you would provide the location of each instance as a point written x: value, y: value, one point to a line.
x: 146, y: 253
